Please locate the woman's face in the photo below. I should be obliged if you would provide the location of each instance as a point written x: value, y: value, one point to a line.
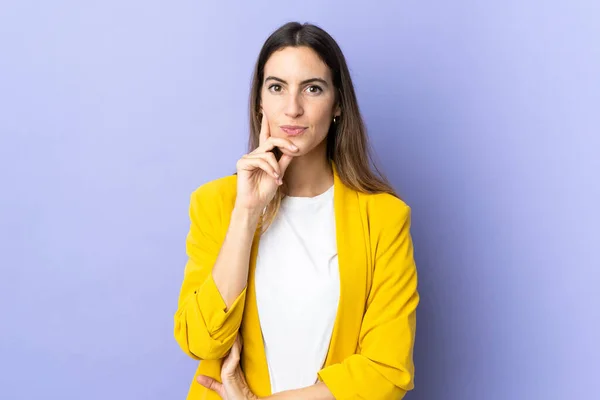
x: 298, y: 97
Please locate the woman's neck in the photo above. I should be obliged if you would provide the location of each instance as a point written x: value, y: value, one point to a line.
x: 309, y: 175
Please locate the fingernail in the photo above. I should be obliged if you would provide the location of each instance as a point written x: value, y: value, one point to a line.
x: 280, y: 181
x: 294, y: 147
x: 276, y: 174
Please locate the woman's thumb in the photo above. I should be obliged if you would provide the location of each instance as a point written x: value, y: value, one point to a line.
x: 284, y: 162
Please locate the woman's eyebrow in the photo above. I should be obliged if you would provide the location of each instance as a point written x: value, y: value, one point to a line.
x: 311, y: 80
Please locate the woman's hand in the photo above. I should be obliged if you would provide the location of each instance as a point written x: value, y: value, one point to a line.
x: 234, y: 386
x: 259, y: 173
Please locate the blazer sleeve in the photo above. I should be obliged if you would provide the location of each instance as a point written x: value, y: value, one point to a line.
x: 204, y: 328
x: 383, y: 366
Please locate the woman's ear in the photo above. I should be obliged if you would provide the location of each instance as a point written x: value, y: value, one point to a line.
x: 337, y: 111
x: 337, y: 107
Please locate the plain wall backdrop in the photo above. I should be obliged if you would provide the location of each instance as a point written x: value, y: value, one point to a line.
x: 484, y: 115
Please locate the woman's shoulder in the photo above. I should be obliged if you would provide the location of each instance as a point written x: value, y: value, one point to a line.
x: 385, y: 207
x: 216, y: 191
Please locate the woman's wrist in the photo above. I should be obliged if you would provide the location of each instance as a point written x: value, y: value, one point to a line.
x: 245, y: 216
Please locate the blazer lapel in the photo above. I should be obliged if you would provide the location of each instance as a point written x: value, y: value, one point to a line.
x: 255, y: 368
x: 352, y: 260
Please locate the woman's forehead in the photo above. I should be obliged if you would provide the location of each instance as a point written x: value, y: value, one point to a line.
x: 296, y: 64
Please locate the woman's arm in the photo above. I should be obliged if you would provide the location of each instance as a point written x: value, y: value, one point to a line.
x: 211, y: 302
x: 318, y: 391
x: 212, y: 295
x: 230, y: 271
x: 233, y: 383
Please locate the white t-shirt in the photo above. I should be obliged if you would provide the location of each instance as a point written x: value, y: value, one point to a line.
x: 298, y: 289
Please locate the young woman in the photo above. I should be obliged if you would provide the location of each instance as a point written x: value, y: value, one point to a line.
x: 305, y: 253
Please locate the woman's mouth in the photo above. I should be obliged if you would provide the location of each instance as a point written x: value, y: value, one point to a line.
x: 293, y: 130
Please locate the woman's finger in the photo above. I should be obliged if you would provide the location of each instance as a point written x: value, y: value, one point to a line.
x: 265, y: 132
x: 285, y: 145
x: 250, y: 164
x: 268, y: 157
x: 233, y: 358
x: 237, y: 346
x: 284, y: 162
x: 232, y: 361
x: 212, y: 384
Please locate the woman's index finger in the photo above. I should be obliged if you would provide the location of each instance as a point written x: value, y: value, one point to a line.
x: 264, y: 130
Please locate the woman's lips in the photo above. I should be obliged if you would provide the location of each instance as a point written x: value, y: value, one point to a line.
x: 293, y: 130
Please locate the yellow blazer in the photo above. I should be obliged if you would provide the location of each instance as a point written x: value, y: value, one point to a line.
x: 371, y: 351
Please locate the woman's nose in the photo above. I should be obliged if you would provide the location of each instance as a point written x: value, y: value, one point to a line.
x: 293, y: 107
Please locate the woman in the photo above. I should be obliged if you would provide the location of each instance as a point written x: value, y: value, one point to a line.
x: 305, y: 252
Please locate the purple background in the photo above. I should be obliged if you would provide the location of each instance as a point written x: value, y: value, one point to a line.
x: 485, y: 115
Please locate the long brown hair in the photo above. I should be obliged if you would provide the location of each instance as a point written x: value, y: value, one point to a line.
x: 347, y: 142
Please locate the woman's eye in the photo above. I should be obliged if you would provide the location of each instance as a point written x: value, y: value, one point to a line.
x: 275, y: 88
x: 314, y: 89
